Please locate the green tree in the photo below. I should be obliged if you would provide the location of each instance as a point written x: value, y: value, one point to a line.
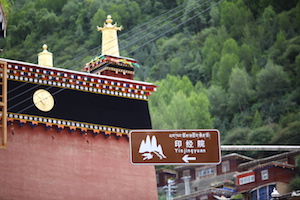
x: 178, y: 104
x: 124, y: 12
x: 269, y: 28
x: 288, y: 135
x: 176, y: 67
x: 227, y: 62
x: 279, y: 48
x: 297, y: 69
x: 51, y: 5
x: 230, y: 46
x: 257, y: 120
x: 211, y: 54
x: 179, y: 113
x: 240, y: 89
x: 97, y: 20
x: 214, y: 16
x: 191, y: 10
x: 200, y: 105
x: 246, y: 55
x: 237, y: 136
x: 69, y: 13
x: 290, y: 54
x: 261, y: 135
x: 234, y: 23
x: 272, y: 82
x: 7, y: 5
x: 295, y: 184
x: 218, y: 101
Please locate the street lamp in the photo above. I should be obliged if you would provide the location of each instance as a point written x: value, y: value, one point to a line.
x: 275, y: 194
x: 170, y: 189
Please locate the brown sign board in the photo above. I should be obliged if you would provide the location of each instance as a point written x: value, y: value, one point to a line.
x: 175, y: 147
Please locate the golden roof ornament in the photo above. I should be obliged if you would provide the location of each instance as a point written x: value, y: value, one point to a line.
x: 110, y: 44
x: 45, y: 58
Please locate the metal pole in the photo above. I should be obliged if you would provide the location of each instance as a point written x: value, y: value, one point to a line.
x: 169, y: 196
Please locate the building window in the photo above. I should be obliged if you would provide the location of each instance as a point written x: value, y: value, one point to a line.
x: 264, y: 174
x: 186, y: 173
x: 247, y: 179
x: 225, y: 166
x: 263, y: 193
x: 202, y: 173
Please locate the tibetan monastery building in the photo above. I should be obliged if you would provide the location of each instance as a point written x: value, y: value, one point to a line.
x: 64, y: 133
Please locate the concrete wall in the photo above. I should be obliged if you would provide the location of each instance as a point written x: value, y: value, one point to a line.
x: 47, y: 164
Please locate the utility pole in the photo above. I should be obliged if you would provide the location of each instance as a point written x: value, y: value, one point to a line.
x: 170, y: 189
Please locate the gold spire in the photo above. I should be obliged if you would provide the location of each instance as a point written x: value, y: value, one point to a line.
x: 110, y: 44
x: 45, y: 57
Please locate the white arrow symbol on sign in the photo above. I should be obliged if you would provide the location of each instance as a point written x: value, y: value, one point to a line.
x: 186, y: 158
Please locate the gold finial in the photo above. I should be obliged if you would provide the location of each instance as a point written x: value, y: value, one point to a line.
x: 110, y: 44
x: 109, y: 20
x: 45, y: 58
x: 45, y: 47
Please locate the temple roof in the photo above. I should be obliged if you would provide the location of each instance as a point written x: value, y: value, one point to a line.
x: 261, y: 161
x: 90, y: 102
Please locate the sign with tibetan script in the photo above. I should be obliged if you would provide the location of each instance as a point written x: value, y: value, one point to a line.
x: 175, y: 147
x: 245, y: 178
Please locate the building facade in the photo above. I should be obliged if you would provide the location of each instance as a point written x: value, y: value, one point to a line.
x: 67, y: 131
x: 238, y: 177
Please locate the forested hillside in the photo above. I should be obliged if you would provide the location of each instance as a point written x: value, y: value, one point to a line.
x: 232, y: 65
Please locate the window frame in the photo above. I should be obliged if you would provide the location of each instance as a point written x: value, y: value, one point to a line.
x: 225, y: 166
x: 264, y: 175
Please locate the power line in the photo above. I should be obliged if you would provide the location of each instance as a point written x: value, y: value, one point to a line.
x: 28, y: 90
x: 171, y: 22
x: 145, y: 30
x: 175, y: 27
x: 132, y: 50
x: 145, y: 24
x: 16, y: 88
x: 53, y: 94
x: 22, y: 93
x: 144, y: 36
x: 24, y: 100
x: 157, y: 17
x: 139, y: 33
x: 165, y: 24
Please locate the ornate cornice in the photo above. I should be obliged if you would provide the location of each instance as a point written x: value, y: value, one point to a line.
x: 71, y: 125
x: 72, y: 80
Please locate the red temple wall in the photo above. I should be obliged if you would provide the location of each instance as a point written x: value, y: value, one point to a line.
x: 47, y: 164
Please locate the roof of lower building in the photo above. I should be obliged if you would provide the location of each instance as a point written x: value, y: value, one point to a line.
x: 254, y: 163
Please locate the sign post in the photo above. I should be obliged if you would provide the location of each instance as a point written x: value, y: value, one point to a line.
x: 175, y: 147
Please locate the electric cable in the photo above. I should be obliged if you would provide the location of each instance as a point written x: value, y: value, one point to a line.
x: 24, y: 100
x: 161, y: 27
x: 122, y: 35
x: 174, y: 27
x: 141, y: 32
x: 16, y: 88
x: 166, y: 19
x: 173, y: 21
x: 130, y: 51
x: 12, y: 98
x: 157, y: 17
x: 53, y: 94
